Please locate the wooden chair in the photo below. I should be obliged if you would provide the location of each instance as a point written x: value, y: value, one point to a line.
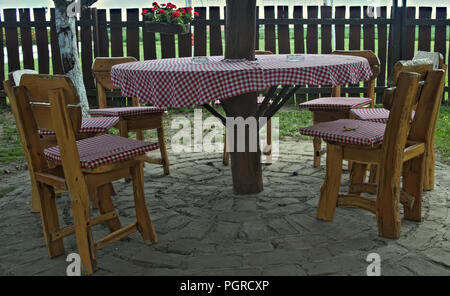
x: 85, y: 167
x: 422, y: 63
x: 337, y: 107
x: 387, y: 145
x: 131, y: 119
x: 268, y: 149
x: 90, y: 127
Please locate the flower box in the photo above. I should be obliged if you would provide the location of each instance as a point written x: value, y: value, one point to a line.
x: 168, y: 19
x: 167, y: 28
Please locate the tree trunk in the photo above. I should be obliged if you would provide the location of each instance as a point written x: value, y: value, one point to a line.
x: 240, y: 43
x: 67, y: 39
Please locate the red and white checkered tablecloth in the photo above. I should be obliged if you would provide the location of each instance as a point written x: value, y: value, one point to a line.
x: 179, y: 82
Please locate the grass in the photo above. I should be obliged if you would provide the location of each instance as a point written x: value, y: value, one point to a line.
x: 290, y: 121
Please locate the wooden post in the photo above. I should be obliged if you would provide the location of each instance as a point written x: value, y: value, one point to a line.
x: 240, y: 36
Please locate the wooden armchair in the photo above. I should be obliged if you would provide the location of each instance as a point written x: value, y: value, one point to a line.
x: 84, y: 167
x: 131, y: 119
x: 337, y: 107
x: 90, y: 127
x: 268, y: 148
x: 387, y: 145
x: 422, y: 63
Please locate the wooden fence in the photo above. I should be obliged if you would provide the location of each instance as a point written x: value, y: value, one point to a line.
x: 303, y: 30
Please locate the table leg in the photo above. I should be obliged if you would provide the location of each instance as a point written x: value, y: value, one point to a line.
x: 246, y: 166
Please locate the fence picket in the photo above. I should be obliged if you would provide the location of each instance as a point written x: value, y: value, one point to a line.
x: 133, y: 48
x: 12, y: 40
x: 200, y: 34
x: 299, y: 31
x: 284, y: 44
x: 424, y: 30
x: 116, y: 32
x: 26, y: 39
x: 269, y: 30
x: 42, y: 40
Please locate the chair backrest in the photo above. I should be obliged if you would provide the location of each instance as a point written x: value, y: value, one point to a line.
x: 436, y: 57
x: 421, y: 67
x: 391, y: 158
x: 27, y: 127
x: 101, y: 69
x: 39, y: 86
x: 424, y: 123
x: 14, y: 77
x: 263, y: 52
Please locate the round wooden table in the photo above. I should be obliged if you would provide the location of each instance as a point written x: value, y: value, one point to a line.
x: 181, y: 82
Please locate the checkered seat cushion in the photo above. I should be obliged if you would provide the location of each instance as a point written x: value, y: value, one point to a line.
x: 347, y: 131
x: 126, y: 111
x: 103, y: 150
x: 335, y: 104
x: 380, y: 115
x: 95, y: 125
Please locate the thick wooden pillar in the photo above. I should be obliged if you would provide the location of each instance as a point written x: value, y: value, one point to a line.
x: 240, y: 43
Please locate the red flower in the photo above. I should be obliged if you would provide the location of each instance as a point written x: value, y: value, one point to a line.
x: 196, y: 14
x: 189, y: 9
x: 155, y: 4
x: 170, y: 5
x: 145, y: 11
x: 175, y: 14
x: 182, y: 10
x: 162, y: 11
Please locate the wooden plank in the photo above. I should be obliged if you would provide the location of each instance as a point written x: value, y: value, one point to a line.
x: 215, y: 31
x: 425, y: 31
x: 2, y: 56
x: 42, y: 41
x: 269, y: 30
x: 312, y: 31
x: 382, y: 53
x: 340, y: 29
x: 116, y: 32
x: 133, y: 33
x: 410, y: 34
x: 312, y: 38
x: 149, y: 42
x: 26, y: 39
x: 200, y: 34
x: 167, y: 46
x: 441, y: 32
x: 86, y: 50
x: 56, y: 54
x: 284, y: 46
x: 355, y: 30
x: 95, y: 36
x: 368, y: 32
x: 258, y: 27
x: 326, y: 13
x: 12, y: 40
x: 299, y: 31
x: 102, y: 33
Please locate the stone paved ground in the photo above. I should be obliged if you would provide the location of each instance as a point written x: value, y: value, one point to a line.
x: 204, y: 229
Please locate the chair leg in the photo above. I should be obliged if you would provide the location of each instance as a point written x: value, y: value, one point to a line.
x: 85, y: 241
x: 330, y: 189
x: 357, y: 176
x: 268, y: 153
x: 140, y: 135
x: 373, y: 177
x: 145, y: 225
x: 163, y: 150
x: 387, y: 203
x: 429, y: 170
x: 105, y: 205
x: 317, y: 142
x: 50, y: 219
x: 35, y: 201
x: 226, y: 154
x: 413, y: 175
x: 123, y: 128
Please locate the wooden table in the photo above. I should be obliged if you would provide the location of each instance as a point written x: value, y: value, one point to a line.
x: 180, y: 82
